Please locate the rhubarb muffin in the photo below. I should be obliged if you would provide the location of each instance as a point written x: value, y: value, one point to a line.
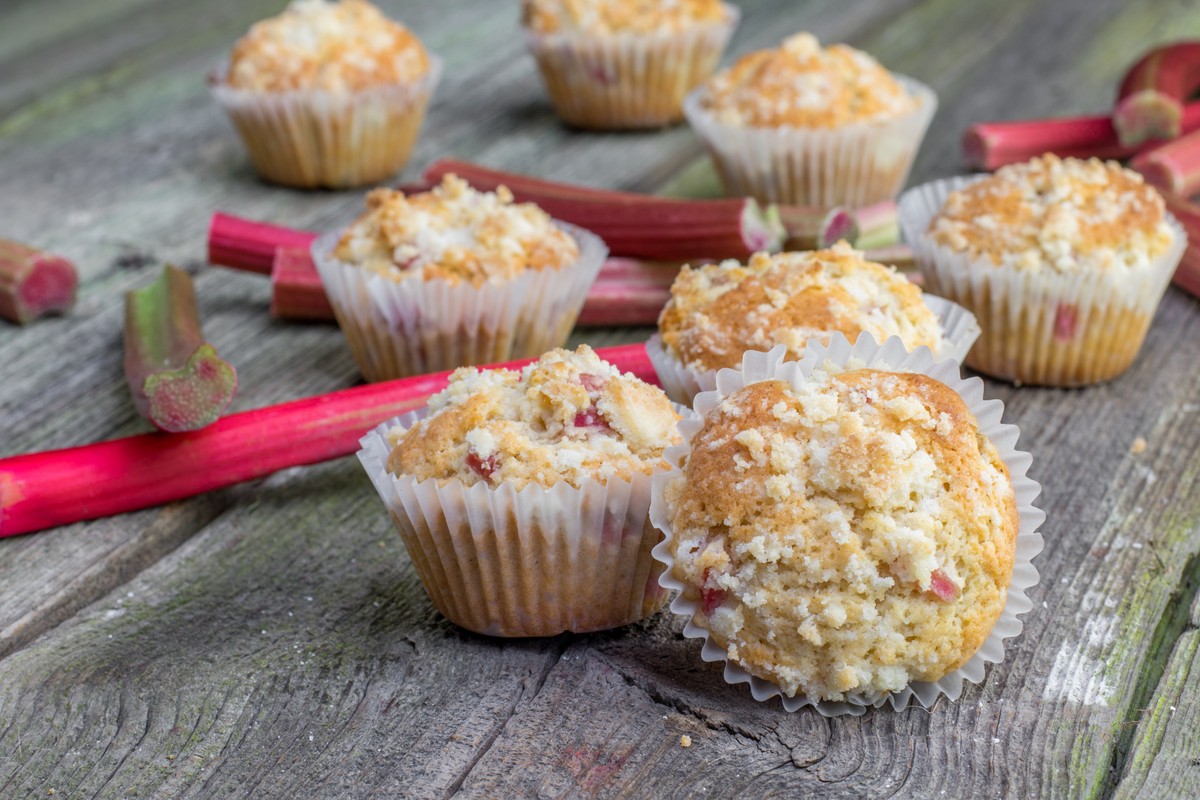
x: 616, y: 64
x: 808, y: 125
x: 1064, y: 262
x: 453, y: 276
x: 848, y: 533
x: 719, y: 311
x: 522, y: 496
x: 328, y: 94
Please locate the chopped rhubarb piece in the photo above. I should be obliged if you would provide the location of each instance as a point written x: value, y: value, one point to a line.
x: 1187, y: 276
x: 484, y: 467
x: 58, y: 487
x: 1150, y: 100
x: 942, y: 587
x: 1066, y: 318
x: 1173, y: 166
x: 248, y: 245
x: 991, y: 145
x: 592, y: 418
x: 593, y: 383
x: 812, y: 228
x: 711, y: 597
x: 296, y: 288
x: 34, y: 284
x: 177, y: 380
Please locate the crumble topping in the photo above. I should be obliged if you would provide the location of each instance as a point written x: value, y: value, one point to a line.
x: 606, y: 17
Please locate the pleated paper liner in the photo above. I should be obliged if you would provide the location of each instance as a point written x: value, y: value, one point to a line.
x: 529, y: 562
x: 397, y: 328
x: 682, y: 383
x: 318, y: 138
x: 1045, y: 327
x: 626, y: 80
x: 854, y: 165
x: 891, y: 355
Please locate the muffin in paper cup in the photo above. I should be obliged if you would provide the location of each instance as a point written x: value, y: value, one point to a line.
x: 890, y: 356
x: 311, y: 138
x: 852, y: 165
x: 397, y: 328
x: 1045, y: 327
x: 628, y: 80
x: 682, y: 383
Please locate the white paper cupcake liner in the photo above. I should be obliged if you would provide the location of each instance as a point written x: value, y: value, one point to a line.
x: 682, y: 383
x: 397, y: 328
x: 855, y: 165
x: 628, y: 80
x: 310, y: 138
x: 1044, y: 327
x: 891, y: 355
x: 529, y: 562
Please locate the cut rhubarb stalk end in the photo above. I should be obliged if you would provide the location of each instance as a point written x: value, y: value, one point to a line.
x: 942, y: 587
x: 991, y: 145
x: 817, y: 228
x: 248, y: 245
x: 1173, y: 166
x: 176, y: 379
x: 44, y: 490
x: 34, y: 284
x: 296, y: 288
x: 1153, y: 92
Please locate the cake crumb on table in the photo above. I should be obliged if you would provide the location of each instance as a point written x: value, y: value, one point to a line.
x: 685, y: 741
x: 1138, y: 446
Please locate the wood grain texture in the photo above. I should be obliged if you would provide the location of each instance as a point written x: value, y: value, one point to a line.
x: 272, y: 640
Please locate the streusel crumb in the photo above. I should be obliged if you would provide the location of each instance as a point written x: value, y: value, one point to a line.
x: 719, y: 311
x: 455, y: 233
x: 605, y: 17
x: 343, y: 46
x: 1058, y: 214
x: 849, y: 536
x: 568, y: 417
x: 802, y: 85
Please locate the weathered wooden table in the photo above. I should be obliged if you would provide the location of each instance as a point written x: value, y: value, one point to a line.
x: 272, y: 640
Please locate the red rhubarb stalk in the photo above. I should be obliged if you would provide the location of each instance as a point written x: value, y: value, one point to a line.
x: 991, y: 145
x: 296, y: 288
x: 1173, y: 166
x: 43, y: 490
x: 248, y: 245
x: 1151, y: 98
x: 34, y: 284
x: 1187, y: 275
x: 177, y: 380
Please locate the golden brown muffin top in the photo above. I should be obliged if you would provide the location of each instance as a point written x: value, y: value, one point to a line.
x: 454, y: 233
x: 607, y: 17
x: 802, y: 85
x: 719, y: 311
x: 1058, y: 214
x: 341, y: 46
x: 568, y: 417
x: 852, y: 535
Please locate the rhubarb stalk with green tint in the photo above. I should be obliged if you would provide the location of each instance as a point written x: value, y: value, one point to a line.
x: 176, y: 378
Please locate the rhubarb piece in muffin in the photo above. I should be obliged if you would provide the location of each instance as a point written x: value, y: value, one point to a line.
x: 847, y: 537
x: 328, y: 93
x: 809, y: 125
x: 453, y: 276
x: 523, y: 496
x: 611, y: 64
x: 1063, y: 261
x: 719, y: 311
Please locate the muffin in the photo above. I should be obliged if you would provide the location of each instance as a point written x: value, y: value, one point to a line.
x: 522, y: 496
x: 328, y: 94
x: 453, y: 276
x: 1063, y: 260
x: 719, y: 311
x: 807, y: 125
x: 618, y: 64
x: 845, y: 531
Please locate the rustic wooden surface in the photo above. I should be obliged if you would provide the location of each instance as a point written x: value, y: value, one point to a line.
x: 272, y: 640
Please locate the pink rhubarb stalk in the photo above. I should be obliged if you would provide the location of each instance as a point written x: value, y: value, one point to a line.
x: 248, y: 245
x: 296, y: 288
x: 177, y: 380
x: 34, y: 284
x: 1173, y: 166
x: 1152, y: 95
x: 44, y: 490
x: 991, y: 145
x: 1187, y: 275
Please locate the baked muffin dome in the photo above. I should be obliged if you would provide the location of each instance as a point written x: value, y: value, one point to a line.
x: 1060, y: 215
x: 719, y: 311
x: 454, y: 233
x: 850, y: 536
x: 343, y: 46
x: 619, y: 16
x: 570, y: 416
x: 802, y: 85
